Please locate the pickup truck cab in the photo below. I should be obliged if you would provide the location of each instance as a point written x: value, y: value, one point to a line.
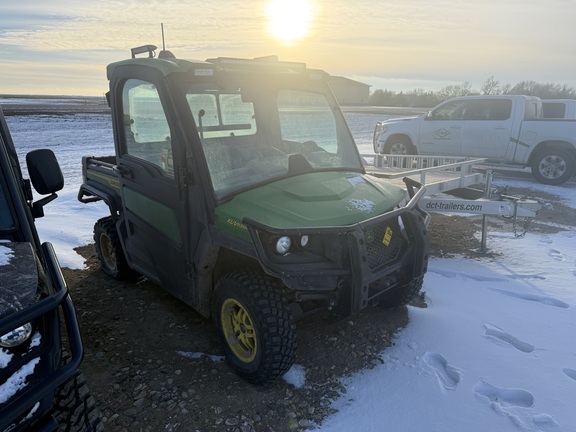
x: 237, y: 187
x: 41, y: 386
x: 502, y: 129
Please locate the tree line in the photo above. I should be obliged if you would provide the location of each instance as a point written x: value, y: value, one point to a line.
x: 426, y: 99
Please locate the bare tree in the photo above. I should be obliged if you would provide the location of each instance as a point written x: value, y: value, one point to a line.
x: 491, y: 87
x: 456, y: 90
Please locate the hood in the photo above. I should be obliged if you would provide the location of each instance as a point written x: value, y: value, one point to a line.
x: 19, y: 285
x: 311, y: 200
x: 401, y: 119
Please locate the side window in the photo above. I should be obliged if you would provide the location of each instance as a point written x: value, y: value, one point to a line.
x: 488, y: 109
x: 145, y: 125
x: 554, y: 110
x: 449, y: 111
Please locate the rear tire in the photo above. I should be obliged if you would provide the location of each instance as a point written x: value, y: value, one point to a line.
x: 109, y: 250
x: 553, y: 166
x: 401, y: 295
x: 256, y: 326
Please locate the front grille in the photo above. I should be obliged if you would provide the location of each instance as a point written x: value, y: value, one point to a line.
x: 383, y: 243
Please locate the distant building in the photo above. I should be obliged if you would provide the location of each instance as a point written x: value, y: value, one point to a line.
x: 349, y: 92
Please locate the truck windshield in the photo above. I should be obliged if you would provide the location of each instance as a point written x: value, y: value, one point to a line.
x: 252, y: 137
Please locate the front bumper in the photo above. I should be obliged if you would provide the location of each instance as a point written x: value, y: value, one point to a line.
x: 49, y: 373
x: 359, y: 262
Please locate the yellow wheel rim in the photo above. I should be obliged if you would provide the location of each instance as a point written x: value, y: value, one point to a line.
x: 239, y: 330
x: 107, y: 250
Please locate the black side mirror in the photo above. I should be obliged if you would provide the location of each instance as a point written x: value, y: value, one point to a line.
x: 44, y: 171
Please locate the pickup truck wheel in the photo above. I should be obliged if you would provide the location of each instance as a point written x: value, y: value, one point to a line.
x: 256, y: 326
x: 398, y: 146
x: 401, y: 295
x: 109, y: 250
x: 553, y: 166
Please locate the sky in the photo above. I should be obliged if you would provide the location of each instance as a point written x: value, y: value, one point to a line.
x: 493, y: 351
x: 63, y: 46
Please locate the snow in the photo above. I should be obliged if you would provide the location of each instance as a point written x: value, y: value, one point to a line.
x: 17, y: 381
x: 493, y: 351
x: 5, y: 255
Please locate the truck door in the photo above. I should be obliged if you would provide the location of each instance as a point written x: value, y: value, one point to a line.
x: 441, y: 130
x: 488, y: 128
x: 155, y: 212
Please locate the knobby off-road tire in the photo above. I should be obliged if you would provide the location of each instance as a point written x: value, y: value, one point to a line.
x: 74, y: 407
x: 109, y: 250
x: 401, y: 295
x: 553, y: 166
x: 256, y: 326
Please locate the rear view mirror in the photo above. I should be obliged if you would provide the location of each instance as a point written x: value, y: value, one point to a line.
x: 44, y: 171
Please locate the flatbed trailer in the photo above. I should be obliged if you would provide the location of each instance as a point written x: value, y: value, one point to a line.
x: 438, y: 173
x: 449, y: 185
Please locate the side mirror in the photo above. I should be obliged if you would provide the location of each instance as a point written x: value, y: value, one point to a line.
x: 44, y: 171
x: 46, y: 177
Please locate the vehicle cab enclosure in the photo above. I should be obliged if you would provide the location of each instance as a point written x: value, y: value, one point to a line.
x: 33, y: 297
x: 235, y: 173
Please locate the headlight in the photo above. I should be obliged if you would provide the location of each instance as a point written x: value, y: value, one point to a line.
x: 378, y: 130
x: 283, y: 245
x: 16, y: 337
x: 304, y: 240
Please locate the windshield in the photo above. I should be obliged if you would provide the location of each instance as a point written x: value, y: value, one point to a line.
x: 251, y: 136
x: 7, y: 223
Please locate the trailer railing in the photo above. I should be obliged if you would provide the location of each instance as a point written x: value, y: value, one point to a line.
x: 438, y: 173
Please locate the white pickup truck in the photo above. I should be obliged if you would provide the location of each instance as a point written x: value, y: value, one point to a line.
x: 502, y: 129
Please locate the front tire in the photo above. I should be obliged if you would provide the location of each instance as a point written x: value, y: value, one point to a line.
x: 399, y: 146
x: 256, y: 326
x: 109, y: 250
x: 553, y: 166
x: 74, y: 407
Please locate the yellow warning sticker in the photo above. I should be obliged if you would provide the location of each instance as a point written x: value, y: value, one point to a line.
x: 387, y: 236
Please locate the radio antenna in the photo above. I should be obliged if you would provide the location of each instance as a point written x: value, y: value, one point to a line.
x: 163, y: 44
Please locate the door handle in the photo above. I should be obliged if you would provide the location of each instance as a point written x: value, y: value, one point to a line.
x: 501, y: 128
x: 122, y: 171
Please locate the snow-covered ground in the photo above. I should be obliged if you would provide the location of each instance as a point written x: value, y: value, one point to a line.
x: 494, y: 351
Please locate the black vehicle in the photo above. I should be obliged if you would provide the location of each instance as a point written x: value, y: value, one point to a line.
x: 41, y: 386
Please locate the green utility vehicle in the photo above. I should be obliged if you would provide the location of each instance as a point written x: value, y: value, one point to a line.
x: 41, y: 386
x: 238, y: 188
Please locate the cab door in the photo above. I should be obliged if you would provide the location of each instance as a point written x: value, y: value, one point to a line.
x: 156, y: 239
x: 441, y: 130
x: 488, y: 128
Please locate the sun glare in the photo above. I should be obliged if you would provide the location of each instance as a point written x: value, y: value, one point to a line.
x: 289, y: 20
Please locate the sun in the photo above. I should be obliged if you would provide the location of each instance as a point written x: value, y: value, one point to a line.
x: 289, y: 20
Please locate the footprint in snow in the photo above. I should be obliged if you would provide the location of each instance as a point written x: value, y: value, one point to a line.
x: 570, y: 373
x: 528, y: 277
x: 499, y: 335
x: 557, y: 255
x: 448, y: 376
x: 549, y: 301
x: 504, y: 397
x: 516, y: 404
